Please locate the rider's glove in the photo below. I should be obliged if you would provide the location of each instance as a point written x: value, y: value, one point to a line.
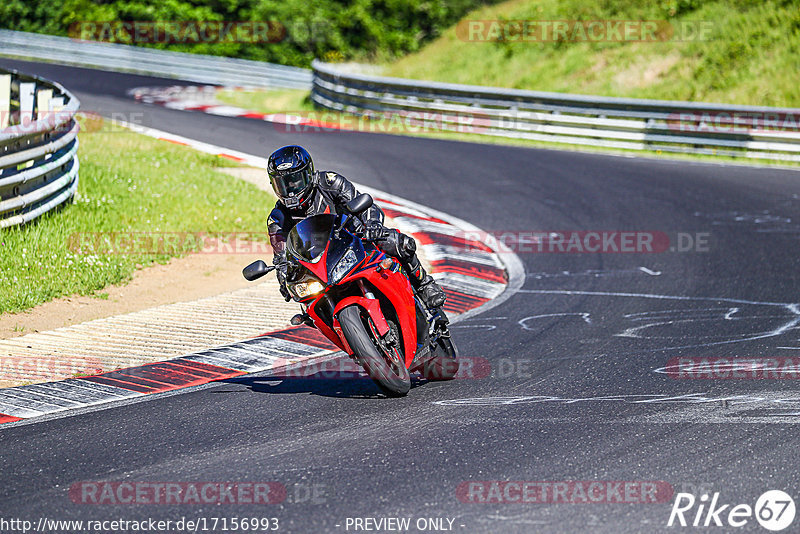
x: 285, y: 292
x: 281, y: 273
x: 374, y: 230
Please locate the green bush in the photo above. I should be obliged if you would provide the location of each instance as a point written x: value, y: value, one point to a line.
x: 334, y: 30
x: 749, y: 55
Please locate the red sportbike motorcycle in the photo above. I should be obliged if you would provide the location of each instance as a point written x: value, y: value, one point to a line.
x: 361, y: 300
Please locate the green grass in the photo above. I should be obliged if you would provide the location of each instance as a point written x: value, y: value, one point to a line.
x: 268, y: 101
x: 128, y: 183
x: 752, y: 55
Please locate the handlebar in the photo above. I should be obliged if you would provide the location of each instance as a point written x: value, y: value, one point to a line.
x: 359, y: 232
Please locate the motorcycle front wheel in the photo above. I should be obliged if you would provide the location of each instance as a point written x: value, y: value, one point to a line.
x: 386, y: 369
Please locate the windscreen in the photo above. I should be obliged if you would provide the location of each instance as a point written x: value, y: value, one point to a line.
x: 308, y: 239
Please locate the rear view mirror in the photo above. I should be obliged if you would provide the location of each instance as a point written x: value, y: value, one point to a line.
x: 360, y: 204
x: 256, y: 270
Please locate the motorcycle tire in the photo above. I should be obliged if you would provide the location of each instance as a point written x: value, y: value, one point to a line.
x: 392, y: 378
x: 444, y: 365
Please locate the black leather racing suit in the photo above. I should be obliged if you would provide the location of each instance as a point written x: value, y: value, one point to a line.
x: 331, y: 192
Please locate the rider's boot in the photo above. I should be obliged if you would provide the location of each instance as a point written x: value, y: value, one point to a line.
x: 427, y: 288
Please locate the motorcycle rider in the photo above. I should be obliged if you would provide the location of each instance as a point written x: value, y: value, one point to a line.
x: 303, y: 192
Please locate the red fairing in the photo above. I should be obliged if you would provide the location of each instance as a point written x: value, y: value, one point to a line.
x: 395, y: 286
x: 337, y: 338
x: 320, y: 267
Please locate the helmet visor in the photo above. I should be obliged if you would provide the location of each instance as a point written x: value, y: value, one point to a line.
x: 291, y: 184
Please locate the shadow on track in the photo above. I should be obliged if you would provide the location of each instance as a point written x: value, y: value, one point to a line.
x: 344, y: 386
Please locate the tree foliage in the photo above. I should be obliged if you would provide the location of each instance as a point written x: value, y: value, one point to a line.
x: 335, y: 30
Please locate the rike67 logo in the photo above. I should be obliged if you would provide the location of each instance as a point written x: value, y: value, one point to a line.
x: 774, y: 510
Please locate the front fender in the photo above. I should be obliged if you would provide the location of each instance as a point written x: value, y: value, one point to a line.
x: 394, y: 286
x: 371, y: 306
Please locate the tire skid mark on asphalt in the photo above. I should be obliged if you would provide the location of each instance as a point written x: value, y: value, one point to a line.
x: 703, y: 407
x: 792, y: 319
x: 593, y: 273
x: 758, y: 406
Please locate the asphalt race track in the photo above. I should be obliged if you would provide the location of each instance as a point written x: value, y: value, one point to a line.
x: 578, y: 389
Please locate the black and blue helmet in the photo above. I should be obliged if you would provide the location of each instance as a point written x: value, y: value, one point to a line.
x: 291, y: 173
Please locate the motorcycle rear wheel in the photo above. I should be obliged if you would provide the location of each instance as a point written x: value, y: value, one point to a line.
x: 390, y: 375
x: 444, y: 365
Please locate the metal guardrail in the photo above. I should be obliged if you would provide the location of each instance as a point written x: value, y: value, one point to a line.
x: 636, y: 124
x: 38, y: 147
x: 126, y: 58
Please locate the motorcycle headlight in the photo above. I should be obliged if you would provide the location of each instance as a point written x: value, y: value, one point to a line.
x: 345, y: 263
x: 306, y: 289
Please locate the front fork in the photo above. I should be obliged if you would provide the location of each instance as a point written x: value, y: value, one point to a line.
x: 365, y: 290
x: 385, y: 336
x: 389, y: 340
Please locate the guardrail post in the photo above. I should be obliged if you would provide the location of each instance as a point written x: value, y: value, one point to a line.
x: 26, y: 103
x: 43, y: 98
x: 5, y: 100
x: 57, y: 103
